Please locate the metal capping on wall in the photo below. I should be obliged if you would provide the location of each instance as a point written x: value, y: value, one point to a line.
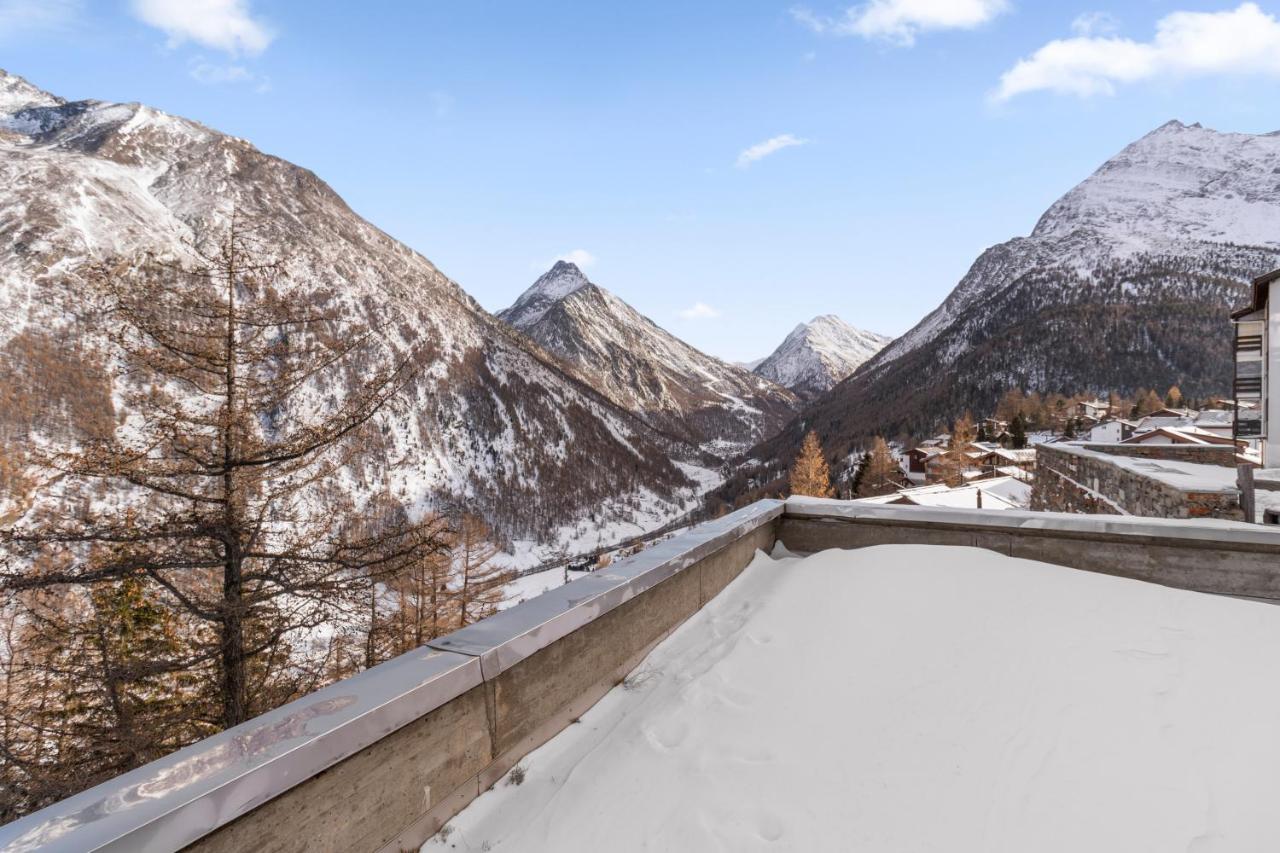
x: 178, y: 799
x: 503, y: 640
x: 1199, y: 532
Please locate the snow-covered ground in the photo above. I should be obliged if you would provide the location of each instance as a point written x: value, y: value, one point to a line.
x: 927, y: 699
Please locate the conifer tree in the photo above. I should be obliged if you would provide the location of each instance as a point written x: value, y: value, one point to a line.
x: 1018, y: 433
x: 881, y: 474
x: 1173, y: 397
x: 957, y: 460
x: 810, y: 474
x: 481, y: 585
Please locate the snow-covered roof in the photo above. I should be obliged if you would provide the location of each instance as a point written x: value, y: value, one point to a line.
x: 733, y: 734
x: 997, y: 493
x: 1187, y: 476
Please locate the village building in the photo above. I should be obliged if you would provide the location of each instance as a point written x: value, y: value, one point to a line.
x: 1096, y: 410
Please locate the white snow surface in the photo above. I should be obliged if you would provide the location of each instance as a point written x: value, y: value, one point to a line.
x: 929, y: 698
x: 817, y: 355
x: 1187, y: 476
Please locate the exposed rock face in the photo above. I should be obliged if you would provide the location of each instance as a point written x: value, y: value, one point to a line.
x: 490, y: 421
x: 645, y: 369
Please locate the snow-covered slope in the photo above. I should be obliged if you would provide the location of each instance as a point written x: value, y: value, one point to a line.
x: 491, y: 422
x: 645, y: 369
x: 818, y: 354
x: 1181, y: 190
x: 1125, y: 282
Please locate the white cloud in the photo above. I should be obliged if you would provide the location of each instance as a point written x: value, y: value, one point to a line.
x: 763, y: 149
x: 226, y: 25
x: 699, y: 311
x: 579, y: 257
x: 900, y: 21
x: 1244, y: 40
x: 24, y: 16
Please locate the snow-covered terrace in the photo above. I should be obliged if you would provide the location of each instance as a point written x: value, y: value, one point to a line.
x: 962, y: 687
x: 917, y: 697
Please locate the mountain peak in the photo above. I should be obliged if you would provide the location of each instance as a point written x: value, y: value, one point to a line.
x: 555, y: 284
x: 17, y: 94
x: 1179, y: 182
x: 819, y: 354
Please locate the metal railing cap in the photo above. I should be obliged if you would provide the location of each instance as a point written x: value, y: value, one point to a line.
x: 505, y: 639
x: 182, y: 797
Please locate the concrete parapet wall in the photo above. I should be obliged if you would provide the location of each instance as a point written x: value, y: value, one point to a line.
x: 1214, y: 556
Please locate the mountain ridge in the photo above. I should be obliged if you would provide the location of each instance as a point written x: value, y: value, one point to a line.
x: 1125, y: 281
x: 645, y: 369
x: 490, y: 423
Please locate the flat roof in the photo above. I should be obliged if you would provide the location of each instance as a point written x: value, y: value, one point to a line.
x: 1187, y: 476
x: 910, y: 697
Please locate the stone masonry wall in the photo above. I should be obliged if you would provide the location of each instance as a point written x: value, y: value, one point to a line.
x: 1072, y: 482
x: 1218, y: 454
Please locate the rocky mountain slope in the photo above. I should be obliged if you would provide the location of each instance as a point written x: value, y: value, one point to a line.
x: 1125, y: 282
x: 490, y: 421
x: 819, y: 354
x: 645, y: 369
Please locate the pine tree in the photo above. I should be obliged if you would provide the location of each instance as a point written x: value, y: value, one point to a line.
x: 1018, y: 432
x: 881, y: 474
x: 810, y: 474
x: 859, y: 474
x: 481, y: 585
x: 956, y: 461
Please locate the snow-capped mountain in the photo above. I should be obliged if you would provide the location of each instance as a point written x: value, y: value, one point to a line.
x: 819, y: 354
x: 1125, y: 282
x: 490, y: 421
x: 645, y: 369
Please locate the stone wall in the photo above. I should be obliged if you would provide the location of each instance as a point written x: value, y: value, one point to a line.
x: 1068, y: 481
x: 1215, y: 454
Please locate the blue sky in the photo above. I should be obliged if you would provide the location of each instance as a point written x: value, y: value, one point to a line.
x: 729, y: 168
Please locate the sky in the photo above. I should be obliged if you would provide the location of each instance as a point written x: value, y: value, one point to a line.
x: 729, y: 168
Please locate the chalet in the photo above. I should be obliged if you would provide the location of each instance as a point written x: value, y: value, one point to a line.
x: 1182, y: 435
x: 1096, y: 410
x: 1109, y: 432
x: 995, y: 459
x: 918, y: 461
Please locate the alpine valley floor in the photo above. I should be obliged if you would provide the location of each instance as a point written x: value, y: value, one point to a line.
x: 919, y: 698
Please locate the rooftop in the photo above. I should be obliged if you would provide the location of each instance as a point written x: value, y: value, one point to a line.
x: 1103, y: 720
x: 1187, y: 476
